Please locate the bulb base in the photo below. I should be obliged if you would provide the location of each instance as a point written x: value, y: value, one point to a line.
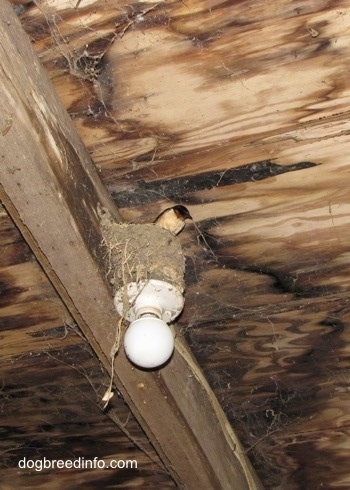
x: 153, y: 296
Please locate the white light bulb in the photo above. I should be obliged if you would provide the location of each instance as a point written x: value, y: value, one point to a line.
x: 149, y: 342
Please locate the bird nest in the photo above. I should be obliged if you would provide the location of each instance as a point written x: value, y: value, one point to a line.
x: 139, y: 252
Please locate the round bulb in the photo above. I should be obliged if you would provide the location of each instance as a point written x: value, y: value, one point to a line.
x: 148, y: 342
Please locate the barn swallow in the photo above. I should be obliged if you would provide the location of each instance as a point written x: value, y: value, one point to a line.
x: 173, y: 219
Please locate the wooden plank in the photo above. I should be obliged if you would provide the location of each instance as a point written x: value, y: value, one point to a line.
x: 183, y: 79
x: 198, y: 92
x: 52, y: 191
x: 52, y: 384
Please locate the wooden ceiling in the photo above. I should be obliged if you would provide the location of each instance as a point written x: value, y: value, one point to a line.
x: 240, y: 111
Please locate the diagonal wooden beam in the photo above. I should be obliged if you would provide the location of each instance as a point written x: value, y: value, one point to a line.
x: 52, y: 191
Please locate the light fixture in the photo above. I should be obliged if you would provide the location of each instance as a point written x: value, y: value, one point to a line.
x: 149, y: 306
x: 145, y: 266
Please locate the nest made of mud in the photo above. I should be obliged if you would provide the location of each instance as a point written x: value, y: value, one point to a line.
x: 138, y: 252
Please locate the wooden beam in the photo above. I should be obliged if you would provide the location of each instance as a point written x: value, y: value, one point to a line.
x: 51, y: 189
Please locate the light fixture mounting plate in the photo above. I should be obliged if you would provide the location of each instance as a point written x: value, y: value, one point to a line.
x: 153, y: 296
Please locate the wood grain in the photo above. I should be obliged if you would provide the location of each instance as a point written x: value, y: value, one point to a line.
x: 219, y: 106
x: 52, y: 384
x: 60, y: 218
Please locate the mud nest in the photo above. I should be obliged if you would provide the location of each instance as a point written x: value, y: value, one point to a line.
x: 139, y: 252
